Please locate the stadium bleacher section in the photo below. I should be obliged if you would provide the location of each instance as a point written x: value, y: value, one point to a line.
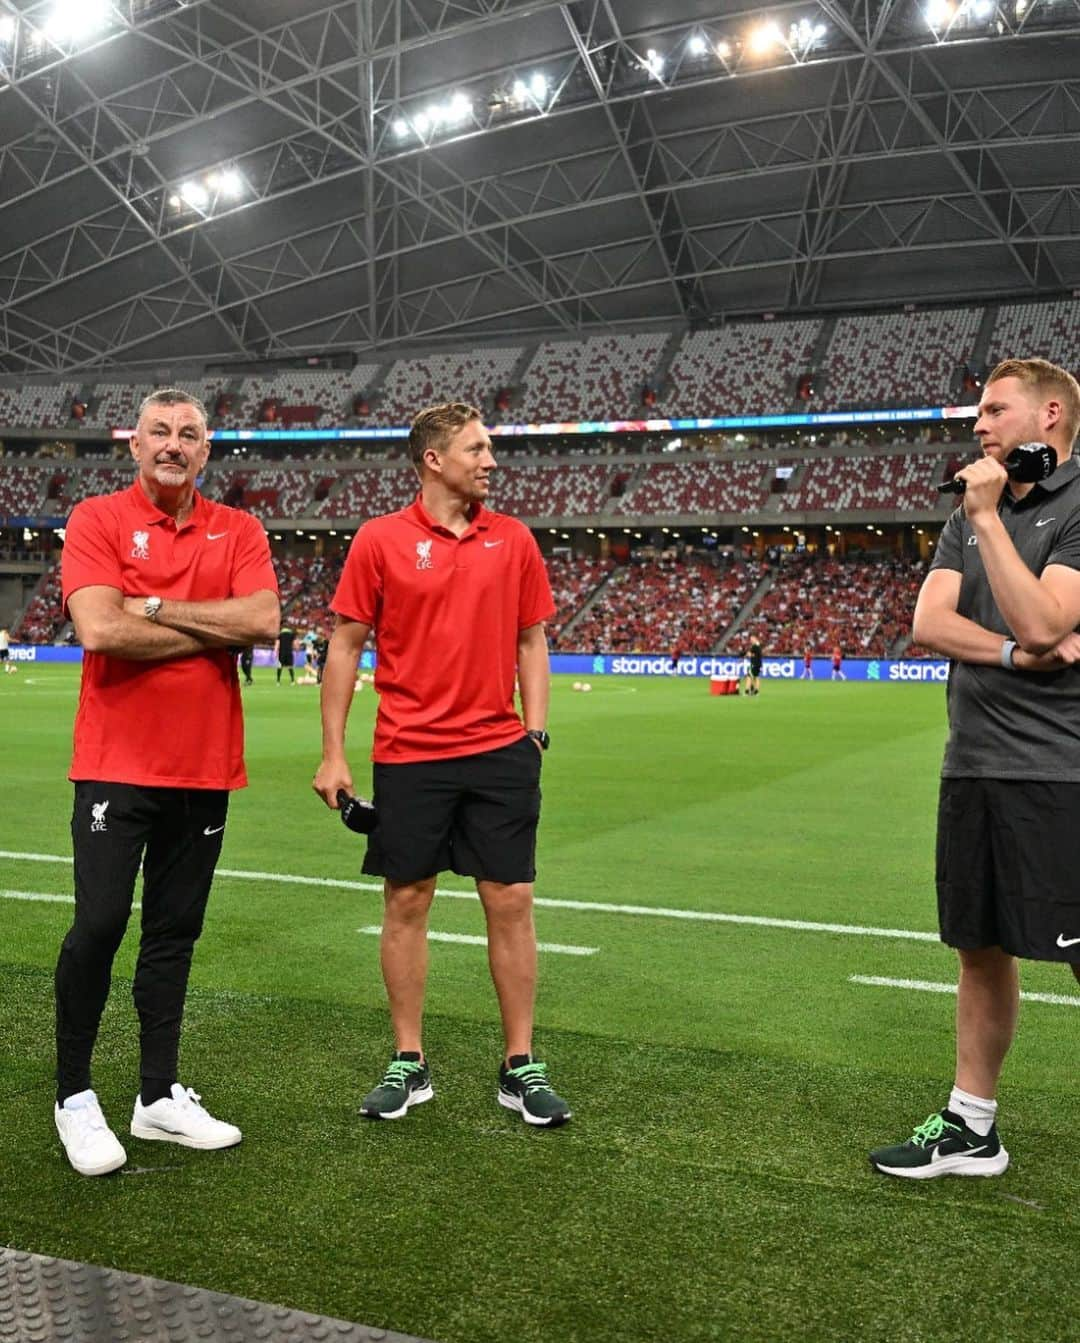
x: 908, y: 358
x: 717, y: 486
x: 741, y: 369
x: 475, y: 377
x: 862, y: 607
x: 894, y: 482
x: 1043, y: 330
x: 663, y: 605
x: 600, y: 378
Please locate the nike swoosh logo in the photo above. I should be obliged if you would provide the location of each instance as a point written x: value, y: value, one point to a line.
x: 488, y: 544
x: 216, y: 831
x: 1043, y: 521
x: 936, y: 1155
x: 215, y: 536
x: 1064, y: 941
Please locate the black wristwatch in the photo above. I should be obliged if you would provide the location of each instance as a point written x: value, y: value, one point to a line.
x: 540, y: 736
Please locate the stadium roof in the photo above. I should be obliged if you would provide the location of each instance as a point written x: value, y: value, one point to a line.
x: 256, y: 179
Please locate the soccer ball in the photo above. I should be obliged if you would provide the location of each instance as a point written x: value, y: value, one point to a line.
x: 585, y: 685
x: 578, y: 686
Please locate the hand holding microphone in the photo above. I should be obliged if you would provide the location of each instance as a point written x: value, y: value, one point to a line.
x: 1028, y: 463
x: 357, y: 814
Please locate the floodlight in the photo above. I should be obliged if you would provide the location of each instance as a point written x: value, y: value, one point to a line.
x: 655, y: 62
x: 764, y: 39
x: 723, y: 50
x: 538, y: 86
x: 939, y: 12
x: 401, y: 128
x: 697, y: 46
x: 175, y: 202
x: 520, y: 91
x: 7, y: 30
x: 70, y: 20
x: 231, y: 183
x: 458, y: 109
x: 195, y: 194
x: 421, y: 123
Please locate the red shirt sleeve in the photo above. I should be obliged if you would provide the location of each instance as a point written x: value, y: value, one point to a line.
x: 253, y: 569
x: 90, y: 557
x: 359, y: 590
x: 535, y: 602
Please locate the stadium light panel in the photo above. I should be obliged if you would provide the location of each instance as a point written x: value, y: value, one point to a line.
x: 697, y: 46
x: 231, y: 183
x: 538, y: 86
x: 939, y: 13
x: 723, y: 50
x: 654, y: 62
x: 421, y: 123
x: 71, y: 20
x: 765, y: 39
x: 7, y: 30
x: 401, y: 128
x: 195, y: 194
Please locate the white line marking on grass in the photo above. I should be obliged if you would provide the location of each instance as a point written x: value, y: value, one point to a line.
x: 928, y: 986
x: 471, y: 940
x: 546, y: 902
x: 46, y: 897
x: 38, y: 895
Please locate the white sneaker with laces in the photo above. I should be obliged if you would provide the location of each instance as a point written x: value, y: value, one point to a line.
x: 181, y: 1119
x: 91, y: 1145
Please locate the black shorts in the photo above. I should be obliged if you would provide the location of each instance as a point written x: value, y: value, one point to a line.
x: 755, y: 666
x: 3, y: 654
x: 1008, y: 867
x: 475, y: 815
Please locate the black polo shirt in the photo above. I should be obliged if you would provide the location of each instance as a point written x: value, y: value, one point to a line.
x: 1006, y: 724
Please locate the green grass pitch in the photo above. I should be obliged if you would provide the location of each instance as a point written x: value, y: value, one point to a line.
x: 727, y: 1078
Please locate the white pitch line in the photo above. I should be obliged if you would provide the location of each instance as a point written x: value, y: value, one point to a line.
x: 471, y: 940
x: 546, y: 902
x: 928, y: 986
x: 46, y: 897
x: 38, y: 895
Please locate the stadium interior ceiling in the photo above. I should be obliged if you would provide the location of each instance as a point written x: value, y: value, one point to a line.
x: 251, y: 180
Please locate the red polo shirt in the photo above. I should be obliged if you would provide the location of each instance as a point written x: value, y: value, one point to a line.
x: 447, y: 612
x: 176, y: 723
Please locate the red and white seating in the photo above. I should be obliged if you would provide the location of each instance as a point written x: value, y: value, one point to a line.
x: 745, y: 368
x: 596, y: 379
x: 907, y: 358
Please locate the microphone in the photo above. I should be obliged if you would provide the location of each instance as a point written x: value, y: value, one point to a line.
x: 1026, y: 464
x: 357, y: 814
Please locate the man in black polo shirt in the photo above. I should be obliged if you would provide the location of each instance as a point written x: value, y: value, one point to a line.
x: 1002, y: 599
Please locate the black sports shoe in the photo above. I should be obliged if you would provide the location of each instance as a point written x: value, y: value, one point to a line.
x: 943, y: 1145
x: 407, y: 1081
x: 526, y: 1088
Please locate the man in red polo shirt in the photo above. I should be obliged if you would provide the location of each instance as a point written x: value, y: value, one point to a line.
x: 457, y: 597
x: 160, y: 584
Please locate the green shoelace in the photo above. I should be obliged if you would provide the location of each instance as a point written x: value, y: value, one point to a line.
x: 532, y: 1076
x: 399, y: 1072
x: 931, y: 1130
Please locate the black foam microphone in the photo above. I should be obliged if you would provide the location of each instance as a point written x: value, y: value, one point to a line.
x: 357, y: 814
x: 1028, y: 463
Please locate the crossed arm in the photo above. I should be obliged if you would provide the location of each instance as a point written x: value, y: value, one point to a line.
x: 1043, y: 622
x: 108, y: 622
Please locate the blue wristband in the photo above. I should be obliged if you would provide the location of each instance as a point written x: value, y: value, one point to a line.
x: 1007, y: 650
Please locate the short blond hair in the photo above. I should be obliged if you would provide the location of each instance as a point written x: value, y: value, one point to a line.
x: 1047, y: 381
x: 435, y: 424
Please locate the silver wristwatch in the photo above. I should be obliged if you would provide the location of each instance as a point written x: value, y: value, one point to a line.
x: 151, y: 607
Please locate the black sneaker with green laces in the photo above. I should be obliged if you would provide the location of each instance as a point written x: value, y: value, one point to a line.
x: 524, y: 1086
x: 943, y: 1145
x: 406, y: 1082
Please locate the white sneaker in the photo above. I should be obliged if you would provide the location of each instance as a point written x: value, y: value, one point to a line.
x: 182, y: 1120
x: 91, y: 1145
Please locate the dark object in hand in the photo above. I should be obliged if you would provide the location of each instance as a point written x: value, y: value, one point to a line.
x: 357, y: 814
x: 1027, y: 463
